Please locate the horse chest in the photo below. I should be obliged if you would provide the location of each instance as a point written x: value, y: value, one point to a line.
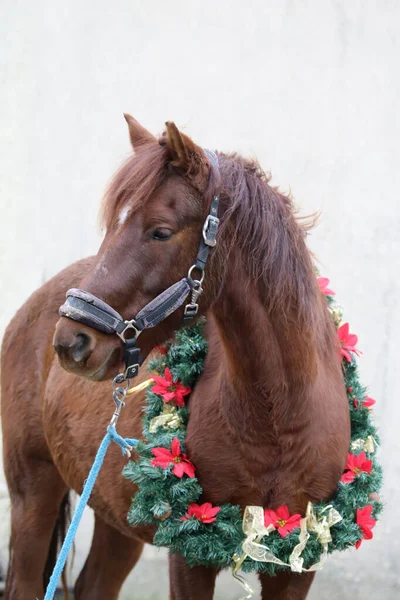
x: 228, y: 469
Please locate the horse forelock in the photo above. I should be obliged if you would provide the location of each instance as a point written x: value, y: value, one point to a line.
x: 134, y: 183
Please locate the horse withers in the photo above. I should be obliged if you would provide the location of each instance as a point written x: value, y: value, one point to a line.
x: 271, y: 403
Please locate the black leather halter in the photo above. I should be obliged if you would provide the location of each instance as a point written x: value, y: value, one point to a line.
x: 86, y: 308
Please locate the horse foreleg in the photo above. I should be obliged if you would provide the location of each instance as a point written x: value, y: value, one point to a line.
x: 36, y: 492
x: 196, y: 583
x: 111, y: 558
x: 286, y: 585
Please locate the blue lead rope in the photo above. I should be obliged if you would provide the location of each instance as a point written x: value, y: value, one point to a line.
x: 126, y: 445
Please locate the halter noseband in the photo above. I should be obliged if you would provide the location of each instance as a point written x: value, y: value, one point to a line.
x: 86, y: 308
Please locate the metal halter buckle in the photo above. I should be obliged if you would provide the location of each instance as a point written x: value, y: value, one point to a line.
x: 210, y: 230
x: 119, y: 394
x: 191, y: 309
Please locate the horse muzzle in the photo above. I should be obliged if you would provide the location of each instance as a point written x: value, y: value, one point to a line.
x: 86, y: 352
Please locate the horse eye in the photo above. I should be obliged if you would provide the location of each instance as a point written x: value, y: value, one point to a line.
x: 161, y: 234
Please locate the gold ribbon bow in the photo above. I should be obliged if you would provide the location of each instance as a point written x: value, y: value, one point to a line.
x: 169, y: 419
x: 254, y: 529
x: 368, y: 445
x: 321, y: 526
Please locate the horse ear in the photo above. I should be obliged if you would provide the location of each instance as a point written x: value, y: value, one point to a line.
x: 137, y: 133
x: 187, y: 156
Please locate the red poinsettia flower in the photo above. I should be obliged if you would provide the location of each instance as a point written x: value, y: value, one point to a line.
x: 354, y: 466
x: 281, y: 519
x: 323, y: 283
x: 161, y: 350
x: 365, y: 523
x: 367, y: 403
x: 164, y: 458
x: 206, y: 513
x: 170, y: 389
x: 347, y: 341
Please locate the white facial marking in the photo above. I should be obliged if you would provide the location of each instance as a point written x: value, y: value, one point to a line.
x: 123, y: 215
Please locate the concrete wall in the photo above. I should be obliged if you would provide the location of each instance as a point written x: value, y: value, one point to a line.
x: 310, y: 87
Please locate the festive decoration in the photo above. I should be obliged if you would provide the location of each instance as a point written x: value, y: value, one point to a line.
x: 323, y: 283
x: 365, y: 523
x: 164, y: 458
x: 368, y: 445
x: 202, y: 512
x: 348, y: 342
x: 169, y: 419
x: 170, y: 388
x: 281, y: 519
x: 262, y: 539
x: 354, y: 466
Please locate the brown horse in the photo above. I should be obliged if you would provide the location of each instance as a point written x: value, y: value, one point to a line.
x: 269, y: 419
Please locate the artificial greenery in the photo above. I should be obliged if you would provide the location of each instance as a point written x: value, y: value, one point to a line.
x: 163, y: 498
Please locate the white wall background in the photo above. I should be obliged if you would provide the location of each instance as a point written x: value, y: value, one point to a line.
x: 310, y: 87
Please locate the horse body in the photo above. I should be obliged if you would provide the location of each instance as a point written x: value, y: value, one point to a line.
x: 269, y: 420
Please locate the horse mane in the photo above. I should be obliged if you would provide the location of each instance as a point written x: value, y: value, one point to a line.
x: 257, y: 217
x: 264, y: 223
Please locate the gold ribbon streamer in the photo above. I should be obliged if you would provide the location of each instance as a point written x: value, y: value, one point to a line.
x: 140, y: 386
x: 255, y: 530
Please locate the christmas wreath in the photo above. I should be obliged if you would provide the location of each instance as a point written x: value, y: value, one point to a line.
x: 262, y: 539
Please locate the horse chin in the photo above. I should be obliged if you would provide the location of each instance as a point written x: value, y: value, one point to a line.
x: 109, y: 369
x: 97, y: 368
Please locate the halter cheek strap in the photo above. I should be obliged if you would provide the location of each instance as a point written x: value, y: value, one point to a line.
x: 86, y: 308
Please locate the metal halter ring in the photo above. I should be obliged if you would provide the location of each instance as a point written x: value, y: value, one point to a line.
x: 118, y: 380
x: 192, y: 268
x: 129, y: 325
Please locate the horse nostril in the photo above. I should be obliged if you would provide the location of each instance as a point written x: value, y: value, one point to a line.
x: 81, y: 349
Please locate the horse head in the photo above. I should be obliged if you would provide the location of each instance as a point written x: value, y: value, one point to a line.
x: 153, y: 211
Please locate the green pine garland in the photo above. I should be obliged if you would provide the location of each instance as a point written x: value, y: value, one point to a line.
x: 163, y: 498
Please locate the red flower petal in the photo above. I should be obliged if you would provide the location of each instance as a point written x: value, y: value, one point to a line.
x: 204, y: 512
x: 178, y: 469
x: 367, y: 466
x: 348, y: 477
x: 160, y: 350
x: 347, y: 356
x: 323, y: 283
x: 163, y: 458
x: 175, y: 447
x: 189, y: 468
x: 368, y: 402
x: 168, y: 375
x: 162, y: 454
x: 283, y: 513
x: 168, y: 396
x: 367, y: 533
x: 183, y: 389
x: 343, y: 331
x: 360, y: 459
x: 159, y: 388
x: 294, y: 521
x: 270, y: 517
x: 365, y: 521
x: 179, y: 401
x: 350, y: 465
x: 358, y: 544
